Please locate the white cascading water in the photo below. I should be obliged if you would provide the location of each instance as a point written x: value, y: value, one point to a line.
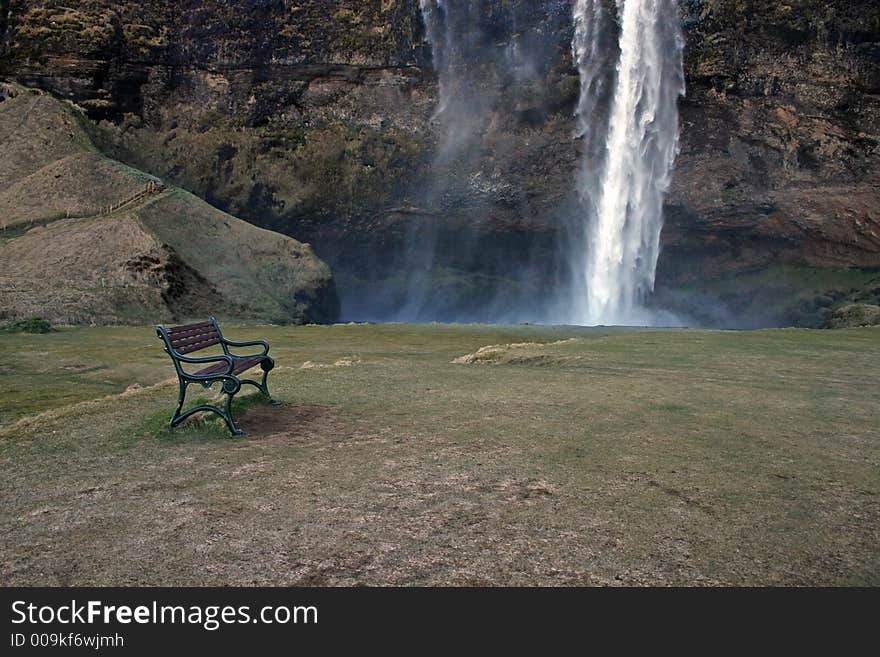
x: 628, y: 154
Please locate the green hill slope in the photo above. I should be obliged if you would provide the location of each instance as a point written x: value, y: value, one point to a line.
x: 86, y: 239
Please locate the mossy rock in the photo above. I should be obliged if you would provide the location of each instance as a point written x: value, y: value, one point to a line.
x: 854, y: 315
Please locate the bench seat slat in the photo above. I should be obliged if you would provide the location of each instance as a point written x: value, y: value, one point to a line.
x: 239, y: 366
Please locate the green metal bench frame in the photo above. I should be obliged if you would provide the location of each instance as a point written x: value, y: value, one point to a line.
x: 181, y: 340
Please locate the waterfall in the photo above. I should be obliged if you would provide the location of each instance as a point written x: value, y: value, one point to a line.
x: 627, y: 116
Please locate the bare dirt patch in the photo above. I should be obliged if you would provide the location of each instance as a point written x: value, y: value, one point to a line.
x: 287, y: 421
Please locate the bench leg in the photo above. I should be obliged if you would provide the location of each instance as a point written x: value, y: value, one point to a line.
x: 177, y: 418
x: 225, y: 412
x: 265, y: 388
x: 227, y: 415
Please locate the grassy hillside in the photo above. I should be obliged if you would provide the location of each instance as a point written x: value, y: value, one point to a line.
x: 554, y: 456
x: 85, y: 239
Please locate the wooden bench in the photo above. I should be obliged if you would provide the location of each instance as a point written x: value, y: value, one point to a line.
x: 223, y: 368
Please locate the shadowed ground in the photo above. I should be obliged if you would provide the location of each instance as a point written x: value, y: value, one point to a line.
x: 556, y: 456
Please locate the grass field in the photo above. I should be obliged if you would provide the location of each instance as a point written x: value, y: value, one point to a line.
x: 573, y: 457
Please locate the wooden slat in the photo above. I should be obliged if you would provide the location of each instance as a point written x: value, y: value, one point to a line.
x: 195, y: 331
x: 174, y: 330
x: 191, y: 334
x: 194, y: 346
x: 239, y: 367
x: 198, y: 345
x: 193, y: 339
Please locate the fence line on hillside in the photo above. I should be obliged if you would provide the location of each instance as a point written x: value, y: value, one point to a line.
x: 152, y: 187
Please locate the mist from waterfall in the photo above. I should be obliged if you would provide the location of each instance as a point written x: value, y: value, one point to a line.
x: 452, y: 28
x: 458, y: 46
x: 627, y: 119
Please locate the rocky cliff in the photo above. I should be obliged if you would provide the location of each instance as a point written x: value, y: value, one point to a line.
x: 314, y: 118
x: 781, y: 132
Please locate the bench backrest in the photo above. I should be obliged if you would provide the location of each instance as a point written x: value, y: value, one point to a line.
x: 191, y: 337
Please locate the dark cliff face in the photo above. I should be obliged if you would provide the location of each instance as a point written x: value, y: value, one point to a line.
x: 780, y: 135
x: 315, y: 118
x: 4, y: 18
x: 119, y: 57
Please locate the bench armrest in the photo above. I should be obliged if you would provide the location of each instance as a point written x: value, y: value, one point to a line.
x: 250, y: 343
x: 206, y: 359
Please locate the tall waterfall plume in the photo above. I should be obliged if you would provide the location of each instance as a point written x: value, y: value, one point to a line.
x: 628, y: 120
